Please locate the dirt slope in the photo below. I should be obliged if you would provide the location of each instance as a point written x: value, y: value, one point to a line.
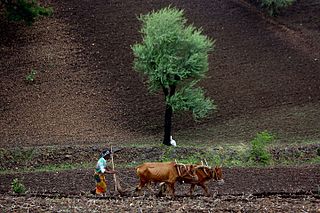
x: 264, y: 72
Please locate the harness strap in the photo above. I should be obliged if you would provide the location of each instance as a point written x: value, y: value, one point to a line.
x: 204, y: 170
x: 178, y: 169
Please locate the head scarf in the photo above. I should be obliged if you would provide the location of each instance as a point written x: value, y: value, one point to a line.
x: 105, y: 153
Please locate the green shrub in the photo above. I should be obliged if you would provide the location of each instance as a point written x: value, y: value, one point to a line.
x: 31, y: 76
x: 25, y: 10
x: 168, y: 154
x: 274, y: 6
x: 17, y: 186
x: 258, y: 151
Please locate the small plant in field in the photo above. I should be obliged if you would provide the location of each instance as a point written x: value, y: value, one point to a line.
x: 25, y: 155
x: 274, y: 6
x: 191, y: 159
x: 258, y: 150
x: 237, y: 156
x: 31, y: 76
x: 168, y: 154
x: 17, y: 186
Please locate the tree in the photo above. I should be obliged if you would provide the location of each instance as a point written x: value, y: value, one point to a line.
x: 26, y: 10
x: 174, y: 57
x: 275, y: 6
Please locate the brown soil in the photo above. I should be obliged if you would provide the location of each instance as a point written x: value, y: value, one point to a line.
x: 264, y: 74
x: 279, y: 189
x: 266, y: 190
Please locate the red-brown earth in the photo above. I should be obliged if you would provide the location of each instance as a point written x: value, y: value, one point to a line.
x: 263, y: 75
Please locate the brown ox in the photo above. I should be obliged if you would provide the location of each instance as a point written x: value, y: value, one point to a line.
x: 167, y: 172
x: 204, y: 174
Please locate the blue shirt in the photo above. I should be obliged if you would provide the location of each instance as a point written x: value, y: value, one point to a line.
x: 101, y: 165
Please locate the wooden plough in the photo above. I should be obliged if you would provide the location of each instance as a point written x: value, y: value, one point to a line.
x: 117, y: 186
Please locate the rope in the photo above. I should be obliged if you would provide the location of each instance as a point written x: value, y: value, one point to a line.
x: 128, y: 177
x: 127, y: 186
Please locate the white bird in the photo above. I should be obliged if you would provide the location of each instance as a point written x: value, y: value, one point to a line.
x: 172, y: 142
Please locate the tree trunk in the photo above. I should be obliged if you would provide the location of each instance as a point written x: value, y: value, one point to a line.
x: 167, y: 125
x: 168, y: 116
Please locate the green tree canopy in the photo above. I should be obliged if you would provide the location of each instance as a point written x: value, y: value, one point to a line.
x: 24, y: 10
x: 174, y: 57
x: 274, y: 7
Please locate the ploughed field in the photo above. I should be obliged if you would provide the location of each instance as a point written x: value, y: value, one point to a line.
x: 244, y: 190
x: 263, y: 75
x: 278, y: 189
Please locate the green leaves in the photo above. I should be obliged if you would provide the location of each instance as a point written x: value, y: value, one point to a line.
x: 170, y: 52
x: 17, y: 186
x: 259, y: 152
x: 26, y: 10
x: 193, y: 99
x: 31, y: 76
x: 274, y: 6
x: 174, y: 57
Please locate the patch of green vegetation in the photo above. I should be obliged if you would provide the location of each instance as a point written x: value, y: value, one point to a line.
x: 147, y: 141
x: 236, y: 156
x: 222, y: 155
x: 57, y: 167
x: 254, y: 153
x: 315, y: 160
x: 17, y: 186
x: 297, y: 159
x: 18, y: 154
x: 25, y: 10
x: 168, y: 153
x: 30, y: 78
x: 258, y: 149
x: 275, y: 6
x: 191, y: 159
x: 257, y: 153
x: 23, y: 155
x: 49, y: 168
x: 294, y: 141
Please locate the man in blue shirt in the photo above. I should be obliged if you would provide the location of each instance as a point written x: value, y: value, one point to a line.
x: 100, y: 171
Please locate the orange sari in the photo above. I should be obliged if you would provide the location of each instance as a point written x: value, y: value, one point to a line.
x: 101, y: 183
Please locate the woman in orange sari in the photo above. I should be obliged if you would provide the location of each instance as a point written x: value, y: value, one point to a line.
x: 100, y: 171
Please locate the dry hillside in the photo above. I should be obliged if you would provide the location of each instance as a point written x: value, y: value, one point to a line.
x: 264, y: 73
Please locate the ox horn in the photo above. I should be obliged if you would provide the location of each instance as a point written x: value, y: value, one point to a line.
x: 206, y: 162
